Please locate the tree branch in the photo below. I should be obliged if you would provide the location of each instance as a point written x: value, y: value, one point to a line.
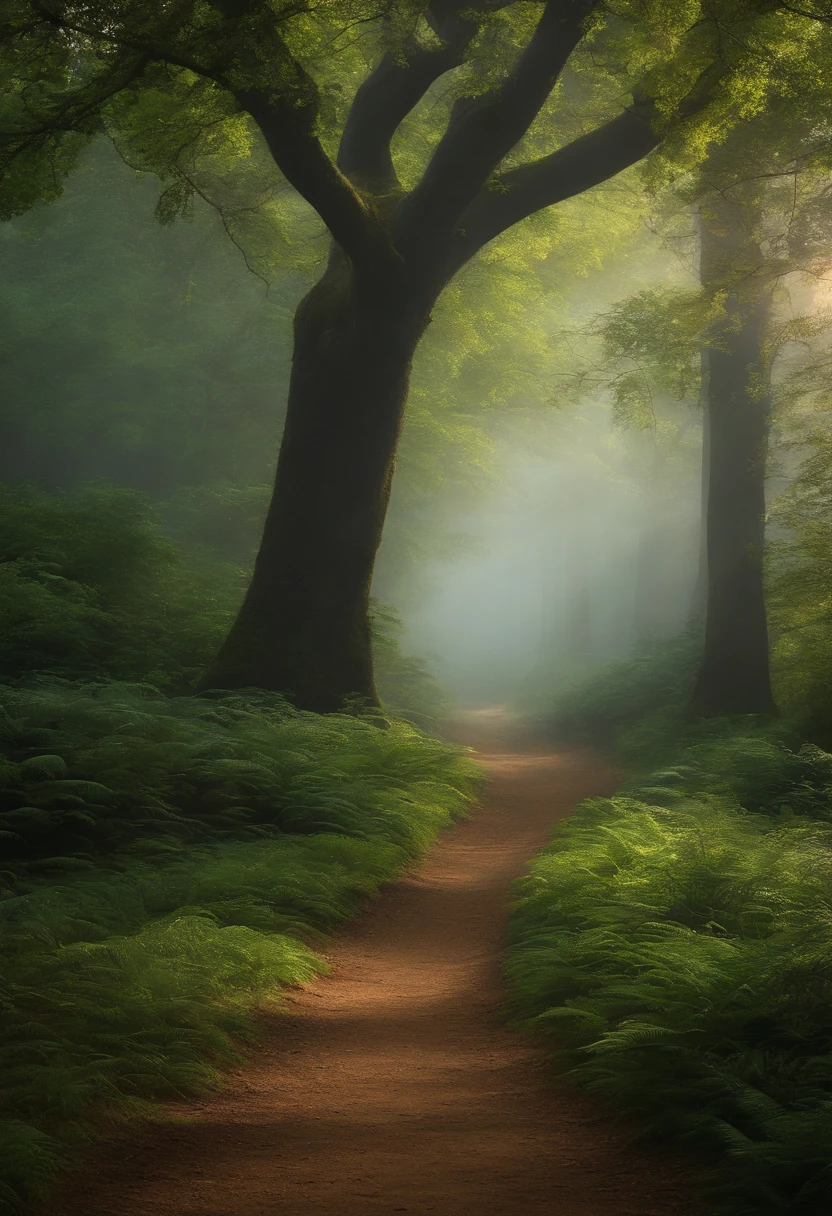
x: 76, y: 112
x: 289, y: 131
x: 483, y: 130
x: 384, y: 100
x: 148, y: 50
x: 286, y: 116
x: 585, y: 162
x: 397, y: 85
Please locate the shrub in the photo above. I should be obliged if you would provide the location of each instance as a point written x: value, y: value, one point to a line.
x: 168, y: 863
x: 95, y: 769
x: 89, y: 585
x: 655, y: 680
x: 679, y: 946
x: 103, y: 582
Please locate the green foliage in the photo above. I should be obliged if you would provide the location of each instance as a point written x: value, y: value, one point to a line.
x: 654, y: 682
x: 90, y: 585
x: 103, y: 582
x: 679, y: 945
x: 44, y: 123
x: 654, y: 339
x: 103, y: 768
x: 168, y: 863
x: 406, y: 684
x: 763, y: 767
x: 800, y: 590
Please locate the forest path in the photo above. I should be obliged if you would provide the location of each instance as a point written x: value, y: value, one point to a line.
x: 392, y: 1086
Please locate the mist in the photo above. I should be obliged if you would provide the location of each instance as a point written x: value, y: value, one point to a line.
x: 570, y: 563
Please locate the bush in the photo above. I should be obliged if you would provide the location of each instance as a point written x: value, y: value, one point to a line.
x: 655, y: 680
x: 168, y: 864
x: 103, y: 582
x: 799, y: 571
x: 679, y: 945
x: 96, y: 769
x: 89, y: 585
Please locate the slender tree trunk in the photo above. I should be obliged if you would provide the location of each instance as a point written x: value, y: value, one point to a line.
x: 303, y: 628
x: 734, y: 675
x: 649, y: 568
x: 700, y: 592
x: 649, y: 554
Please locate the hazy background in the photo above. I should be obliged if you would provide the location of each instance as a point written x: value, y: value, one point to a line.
x: 570, y: 563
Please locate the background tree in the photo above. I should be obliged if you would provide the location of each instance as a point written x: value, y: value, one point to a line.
x: 759, y: 201
x: 734, y: 674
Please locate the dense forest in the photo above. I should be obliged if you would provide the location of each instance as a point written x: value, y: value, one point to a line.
x: 416, y: 430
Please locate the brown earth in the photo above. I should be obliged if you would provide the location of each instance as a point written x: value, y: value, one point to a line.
x: 392, y: 1086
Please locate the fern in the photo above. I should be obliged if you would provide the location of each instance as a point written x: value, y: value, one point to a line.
x: 680, y: 955
x: 169, y: 863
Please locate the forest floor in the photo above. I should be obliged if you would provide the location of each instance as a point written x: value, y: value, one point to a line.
x: 392, y: 1085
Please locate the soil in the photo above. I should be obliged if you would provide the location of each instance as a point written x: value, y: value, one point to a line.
x: 393, y: 1085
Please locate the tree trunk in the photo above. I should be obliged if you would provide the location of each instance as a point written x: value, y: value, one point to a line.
x: 303, y: 628
x: 734, y: 675
x: 649, y: 568
x: 699, y: 601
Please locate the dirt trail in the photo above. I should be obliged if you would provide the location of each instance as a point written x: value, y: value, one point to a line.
x: 392, y: 1086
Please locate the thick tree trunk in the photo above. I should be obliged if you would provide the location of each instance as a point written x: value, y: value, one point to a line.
x: 303, y: 628
x: 734, y: 675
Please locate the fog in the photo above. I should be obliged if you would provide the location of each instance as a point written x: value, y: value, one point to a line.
x: 573, y: 558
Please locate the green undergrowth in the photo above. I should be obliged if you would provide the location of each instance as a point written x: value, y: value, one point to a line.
x: 167, y: 865
x: 104, y: 582
x: 648, y: 690
x: 675, y: 943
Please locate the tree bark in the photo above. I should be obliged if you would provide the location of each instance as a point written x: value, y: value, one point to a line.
x: 303, y: 628
x: 734, y: 675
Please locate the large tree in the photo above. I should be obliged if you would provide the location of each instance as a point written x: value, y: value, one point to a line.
x: 173, y: 74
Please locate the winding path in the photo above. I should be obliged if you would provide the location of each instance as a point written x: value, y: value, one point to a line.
x: 392, y: 1086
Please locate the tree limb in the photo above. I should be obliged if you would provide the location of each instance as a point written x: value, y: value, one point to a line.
x: 483, y: 130
x: 288, y: 130
x: 384, y: 100
x: 585, y: 162
x: 396, y: 85
x: 286, y: 117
